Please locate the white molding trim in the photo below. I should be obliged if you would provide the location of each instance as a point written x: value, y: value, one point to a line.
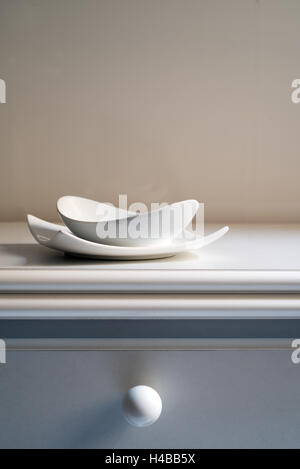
x: 117, y: 306
x: 38, y: 280
x: 146, y: 344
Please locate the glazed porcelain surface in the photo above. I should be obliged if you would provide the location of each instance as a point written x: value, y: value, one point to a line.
x: 106, y: 224
x: 60, y: 238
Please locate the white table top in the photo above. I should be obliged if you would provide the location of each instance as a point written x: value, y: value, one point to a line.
x: 244, y: 247
x: 253, y: 273
x: 248, y: 257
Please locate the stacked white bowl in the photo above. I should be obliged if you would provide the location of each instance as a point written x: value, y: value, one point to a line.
x: 97, y: 230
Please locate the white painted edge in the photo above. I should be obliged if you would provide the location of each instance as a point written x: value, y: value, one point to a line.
x: 36, y: 280
x: 63, y: 306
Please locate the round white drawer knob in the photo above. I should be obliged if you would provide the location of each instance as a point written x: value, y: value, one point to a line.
x: 142, y: 406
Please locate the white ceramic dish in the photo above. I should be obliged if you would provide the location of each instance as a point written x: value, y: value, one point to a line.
x: 105, y: 224
x: 61, y: 239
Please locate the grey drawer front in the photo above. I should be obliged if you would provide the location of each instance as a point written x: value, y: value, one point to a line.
x: 210, y: 399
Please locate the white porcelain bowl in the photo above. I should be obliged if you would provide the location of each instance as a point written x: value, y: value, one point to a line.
x: 105, y: 224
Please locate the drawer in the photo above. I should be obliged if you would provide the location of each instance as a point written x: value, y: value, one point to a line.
x: 210, y: 399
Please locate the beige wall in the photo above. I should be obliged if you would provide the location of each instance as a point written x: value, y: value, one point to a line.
x: 159, y: 99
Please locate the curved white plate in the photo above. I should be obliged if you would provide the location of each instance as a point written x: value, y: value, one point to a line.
x: 58, y: 237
